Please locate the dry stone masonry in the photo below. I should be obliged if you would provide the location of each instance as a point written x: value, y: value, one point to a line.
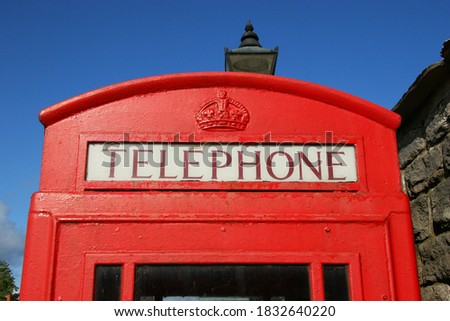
x: 424, y: 154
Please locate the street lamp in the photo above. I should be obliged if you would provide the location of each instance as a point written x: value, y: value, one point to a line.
x: 251, y: 56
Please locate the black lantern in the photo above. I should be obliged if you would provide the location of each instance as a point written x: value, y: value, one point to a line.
x: 251, y: 56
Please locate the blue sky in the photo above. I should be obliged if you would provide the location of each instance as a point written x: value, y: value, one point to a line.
x: 51, y: 50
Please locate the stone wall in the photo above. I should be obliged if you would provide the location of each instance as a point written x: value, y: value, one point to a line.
x: 424, y: 153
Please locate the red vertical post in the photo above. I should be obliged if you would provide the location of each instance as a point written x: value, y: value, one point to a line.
x: 37, y: 275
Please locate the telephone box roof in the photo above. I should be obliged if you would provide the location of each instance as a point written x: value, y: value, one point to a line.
x: 180, y: 81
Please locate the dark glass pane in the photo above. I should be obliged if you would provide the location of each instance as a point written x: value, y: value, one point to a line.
x: 222, y: 282
x: 108, y: 279
x: 335, y: 278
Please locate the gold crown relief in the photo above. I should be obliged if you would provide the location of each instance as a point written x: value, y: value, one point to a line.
x: 222, y: 113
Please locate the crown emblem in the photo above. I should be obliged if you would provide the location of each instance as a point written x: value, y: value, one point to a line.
x: 222, y: 113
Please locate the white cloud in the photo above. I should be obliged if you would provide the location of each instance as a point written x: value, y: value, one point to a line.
x: 12, y: 242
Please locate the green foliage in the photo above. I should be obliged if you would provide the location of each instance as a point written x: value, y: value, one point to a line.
x: 7, y: 282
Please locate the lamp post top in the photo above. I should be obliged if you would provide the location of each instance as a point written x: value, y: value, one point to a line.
x: 249, y: 38
x: 251, y: 56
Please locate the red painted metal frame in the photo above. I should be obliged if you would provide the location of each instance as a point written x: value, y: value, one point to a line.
x: 82, y: 227
x: 74, y: 223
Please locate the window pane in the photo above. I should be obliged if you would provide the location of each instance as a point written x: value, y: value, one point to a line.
x: 108, y: 279
x: 335, y: 278
x: 222, y: 282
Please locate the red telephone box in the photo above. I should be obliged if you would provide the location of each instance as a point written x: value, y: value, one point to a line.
x: 219, y: 185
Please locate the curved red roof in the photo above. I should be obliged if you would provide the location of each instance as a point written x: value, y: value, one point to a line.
x: 155, y: 84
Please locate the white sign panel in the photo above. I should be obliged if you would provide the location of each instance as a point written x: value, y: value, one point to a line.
x: 214, y: 162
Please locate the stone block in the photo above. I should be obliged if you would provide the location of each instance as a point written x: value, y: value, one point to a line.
x: 406, y: 135
x: 421, y: 217
x: 437, y: 125
x: 410, y: 151
x: 446, y: 153
x: 424, y: 171
x: 403, y: 182
x: 419, y: 265
x: 440, y: 205
x: 435, y: 254
x: 436, y: 292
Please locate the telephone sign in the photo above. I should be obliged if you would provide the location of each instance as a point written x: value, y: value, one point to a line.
x: 220, y: 162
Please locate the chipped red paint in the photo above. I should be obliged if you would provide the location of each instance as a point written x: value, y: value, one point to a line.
x: 75, y: 223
